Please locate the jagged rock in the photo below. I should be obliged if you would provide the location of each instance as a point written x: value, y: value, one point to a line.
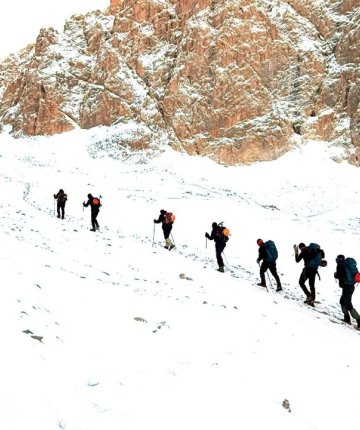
x: 234, y: 81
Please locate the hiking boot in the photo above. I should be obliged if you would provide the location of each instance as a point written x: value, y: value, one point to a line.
x: 347, y: 319
x: 221, y: 269
x: 58, y: 216
x: 310, y: 301
x: 358, y: 324
x: 278, y: 289
x: 93, y: 229
x: 171, y: 247
x: 260, y: 284
x: 166, y: 247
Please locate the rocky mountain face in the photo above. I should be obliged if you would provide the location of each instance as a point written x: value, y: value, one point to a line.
x: 234, y: 80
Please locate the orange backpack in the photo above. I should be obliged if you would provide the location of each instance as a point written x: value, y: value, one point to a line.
x: 169, y: 218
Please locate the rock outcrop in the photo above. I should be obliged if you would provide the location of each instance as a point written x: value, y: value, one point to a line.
x: 232, y: 80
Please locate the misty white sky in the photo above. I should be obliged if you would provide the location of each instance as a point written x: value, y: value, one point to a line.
x: 21, y: 21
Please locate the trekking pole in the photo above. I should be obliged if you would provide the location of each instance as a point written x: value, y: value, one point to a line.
x: 227, y: 264
x: 172, y: 238
x: 269, y: 279
x: 205, y: 242
x: 153, y: 236
x: 54, y: 207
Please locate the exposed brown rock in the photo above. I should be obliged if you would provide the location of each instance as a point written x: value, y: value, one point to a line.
x: 232, y: 80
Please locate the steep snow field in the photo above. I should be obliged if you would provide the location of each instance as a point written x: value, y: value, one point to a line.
x: 99, y: 332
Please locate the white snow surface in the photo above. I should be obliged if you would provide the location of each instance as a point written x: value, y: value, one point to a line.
x: 122, y: 342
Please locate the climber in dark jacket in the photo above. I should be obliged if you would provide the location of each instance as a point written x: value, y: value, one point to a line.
x: 309, y: 272
x: 220, y: 244
x: 167, y: 225
x: 265, y: 265
x: 95, y: 204
x: 61, y: 201
x: 347, y: 291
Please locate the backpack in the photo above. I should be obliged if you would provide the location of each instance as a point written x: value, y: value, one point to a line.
x: 351, y: 271
x: 314, y: 251
x: 96, y: 202
x: 62, y: 198
x: 223, y: 233
x: 169, y: 218
x: 271, y: 251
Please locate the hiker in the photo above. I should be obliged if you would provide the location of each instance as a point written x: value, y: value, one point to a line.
x: 95, y: 204
x: 167, y: 219
x: 312, y: 256
x: 61, y: 201
x: 268, y: 255
x: 345, y: 273
x: 220, y: 239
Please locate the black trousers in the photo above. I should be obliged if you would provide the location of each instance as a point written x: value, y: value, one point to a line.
x: 308, y: 273
x: 166, y: 230
x: 219, y: 248
x: 346, y: 296
x: 61, y: 207
x: 265, y: 265
x: 94, y: 214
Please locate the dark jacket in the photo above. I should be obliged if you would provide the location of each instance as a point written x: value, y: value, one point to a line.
x: 262, y: 253
x: 61, y: 197
x: 307, y: 256
x: 94, y: 208
x: 162, y: 219
x: 340, y: 274
x: 216, y: 236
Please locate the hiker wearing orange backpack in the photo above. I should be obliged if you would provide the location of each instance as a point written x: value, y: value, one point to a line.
x: 95, y: 204
x: 167, y: 219
x: 220, y: 235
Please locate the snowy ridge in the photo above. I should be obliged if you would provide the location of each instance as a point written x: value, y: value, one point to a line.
x: 102, y: 332
x: 236, y: 82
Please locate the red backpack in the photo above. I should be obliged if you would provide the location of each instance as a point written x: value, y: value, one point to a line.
x: 169, y: 218
x: 96, y: 202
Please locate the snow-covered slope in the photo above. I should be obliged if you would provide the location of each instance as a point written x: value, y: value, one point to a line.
x: 100, y: 331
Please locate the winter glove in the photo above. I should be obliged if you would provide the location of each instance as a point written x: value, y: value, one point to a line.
x: 54, y: 196
x: 155, y: 220
x: 258, y: 261
x: 296, y: 249
x: 207, y: 236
